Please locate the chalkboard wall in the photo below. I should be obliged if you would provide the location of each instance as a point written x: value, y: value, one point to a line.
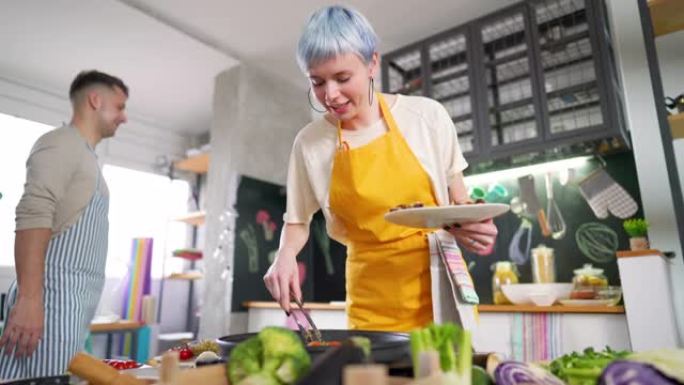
x: 325, y: 259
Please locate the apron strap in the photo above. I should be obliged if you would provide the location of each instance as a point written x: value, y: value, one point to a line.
x: 384, y: 112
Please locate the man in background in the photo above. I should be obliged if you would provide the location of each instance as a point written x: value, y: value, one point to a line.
x: 61, y: 235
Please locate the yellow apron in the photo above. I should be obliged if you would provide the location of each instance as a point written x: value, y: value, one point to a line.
x: 388, y: 266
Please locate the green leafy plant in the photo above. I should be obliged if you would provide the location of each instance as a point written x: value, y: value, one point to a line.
x: 637, y: 227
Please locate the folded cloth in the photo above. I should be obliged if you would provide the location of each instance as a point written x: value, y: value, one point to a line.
x: 454, y: 298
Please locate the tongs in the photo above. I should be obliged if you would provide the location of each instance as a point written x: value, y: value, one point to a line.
x: 309, y: 335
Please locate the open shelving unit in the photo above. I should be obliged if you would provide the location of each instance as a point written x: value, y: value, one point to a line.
x: 195, y: 218
x: 677, y: 125
x: 199, y: 164
x: 667, y: 16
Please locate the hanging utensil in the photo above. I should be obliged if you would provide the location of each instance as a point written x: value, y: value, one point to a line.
x: 518, y: 252
x: 556, y: 223
x: 529, y: 196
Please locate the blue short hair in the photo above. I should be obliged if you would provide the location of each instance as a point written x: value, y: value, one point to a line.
x: 335, y: 30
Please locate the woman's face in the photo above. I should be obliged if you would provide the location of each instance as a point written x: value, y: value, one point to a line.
x: 341, y: 84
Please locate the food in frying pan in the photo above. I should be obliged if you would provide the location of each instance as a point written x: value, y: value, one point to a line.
x: 274, y: 356
x: 314, y: 344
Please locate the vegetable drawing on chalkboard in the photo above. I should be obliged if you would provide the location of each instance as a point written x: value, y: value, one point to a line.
x: 248, y: 236
x: 263, y: 218
x: 597, y: 242
x: 321, y: 236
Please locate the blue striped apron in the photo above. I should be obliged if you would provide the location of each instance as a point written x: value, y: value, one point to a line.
x: 74, y: 278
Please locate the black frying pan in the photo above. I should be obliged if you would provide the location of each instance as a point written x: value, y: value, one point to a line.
x: 386, y: 347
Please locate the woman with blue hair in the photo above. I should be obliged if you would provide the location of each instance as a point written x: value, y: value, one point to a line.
x: 371, y: 152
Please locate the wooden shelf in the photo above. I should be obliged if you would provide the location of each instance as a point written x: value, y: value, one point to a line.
x: 189, y: 276
x: 550, y: 309
x: 677, y: 124
x: 115, y: 326
x: 198, y: 164
x: 667, y: 16
x: 196, y: 218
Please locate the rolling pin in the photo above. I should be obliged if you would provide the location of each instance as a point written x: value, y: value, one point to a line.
x: 97, y: 372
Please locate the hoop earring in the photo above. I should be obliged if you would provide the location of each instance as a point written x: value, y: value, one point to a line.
x: 308, y: 97
x: 371, y: 88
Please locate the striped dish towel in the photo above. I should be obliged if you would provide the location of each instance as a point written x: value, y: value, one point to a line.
x: 536, y: 336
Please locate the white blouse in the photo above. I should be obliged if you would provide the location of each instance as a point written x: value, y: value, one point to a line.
x: 426, y: 127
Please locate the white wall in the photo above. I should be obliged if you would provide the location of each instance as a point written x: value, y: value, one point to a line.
x: 642, y: 119
x: 137, y: 144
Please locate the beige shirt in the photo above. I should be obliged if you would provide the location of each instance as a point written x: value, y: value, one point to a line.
x: 61, y: 175
x: 425, y: 125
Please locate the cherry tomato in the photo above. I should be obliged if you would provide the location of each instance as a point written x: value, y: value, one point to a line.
x: 185, y: 354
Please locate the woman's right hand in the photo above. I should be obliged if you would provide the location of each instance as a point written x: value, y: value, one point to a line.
x: 282, y: 278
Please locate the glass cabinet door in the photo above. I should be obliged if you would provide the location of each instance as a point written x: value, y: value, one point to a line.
x: 511, y: 90
x: 449, y: 74
x: 404, y: 73
x: 568, y: 67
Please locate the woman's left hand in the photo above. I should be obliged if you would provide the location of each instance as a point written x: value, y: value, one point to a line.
x: 477, y: 237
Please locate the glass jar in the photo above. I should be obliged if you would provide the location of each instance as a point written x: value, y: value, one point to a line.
x: 504, y: 273
x: 543, y: 265
x: 587, y: 281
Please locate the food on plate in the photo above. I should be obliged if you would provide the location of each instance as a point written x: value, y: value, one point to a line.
x: 519, y: 373
x: 274, y: 356
x: 407, y: 206
x: 451, y: 344
x: 122, y: 364
x: 199, y: 347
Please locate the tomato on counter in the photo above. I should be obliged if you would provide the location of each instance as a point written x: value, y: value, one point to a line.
x: 184, y: 352
x: 122, y: 364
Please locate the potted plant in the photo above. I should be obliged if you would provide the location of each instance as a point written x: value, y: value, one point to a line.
x: 637, y: 229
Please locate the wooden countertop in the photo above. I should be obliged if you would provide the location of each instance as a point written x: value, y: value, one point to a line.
x: 115, y: 326
x: 482, y: 308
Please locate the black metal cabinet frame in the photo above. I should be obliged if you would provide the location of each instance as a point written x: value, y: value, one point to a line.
x: 602, y: 92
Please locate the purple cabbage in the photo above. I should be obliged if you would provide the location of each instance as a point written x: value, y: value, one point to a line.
x: 634, y: 373
x: 518, y: 373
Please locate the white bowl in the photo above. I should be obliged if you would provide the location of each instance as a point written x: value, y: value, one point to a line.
x: 541, y: 294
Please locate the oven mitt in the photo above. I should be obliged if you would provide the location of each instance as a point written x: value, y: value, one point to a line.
x: 604, y: 194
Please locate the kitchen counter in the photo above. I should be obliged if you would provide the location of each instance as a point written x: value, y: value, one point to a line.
x: 501, y: 327
x: 485, y: 308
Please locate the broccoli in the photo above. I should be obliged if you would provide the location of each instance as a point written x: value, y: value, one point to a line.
x: 245, y: 359
x: 275, y: 354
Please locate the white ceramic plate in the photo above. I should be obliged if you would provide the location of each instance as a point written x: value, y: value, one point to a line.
x: 587, y: 302
x: 440, y: 216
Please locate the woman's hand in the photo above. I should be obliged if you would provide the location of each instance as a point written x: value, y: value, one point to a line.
x: 282, y: 278
x: 477, y: 237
